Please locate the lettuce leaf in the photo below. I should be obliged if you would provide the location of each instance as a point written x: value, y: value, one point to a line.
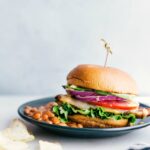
x: 65, y: 109
x: 125, y: 96
x: 75, y: 88
x: 85, y: 89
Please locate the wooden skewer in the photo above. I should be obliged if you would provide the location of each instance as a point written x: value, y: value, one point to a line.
x: 108, y: 50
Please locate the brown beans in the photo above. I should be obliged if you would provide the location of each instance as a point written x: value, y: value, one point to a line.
x: 30, y: 114
x: 44, y: 113
x: 50, y: 105
x: 79, y: 125
x: 37, y: 115
x: 55, y: 120
x: 44, y: 117
x: 34, y: 109
x: 72, y: 124
x: 27, y: 111
x: 62, y: 124
x: 50, y: 114
x: 48, y: 121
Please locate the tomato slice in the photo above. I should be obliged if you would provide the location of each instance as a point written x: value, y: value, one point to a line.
x: 115, y: 104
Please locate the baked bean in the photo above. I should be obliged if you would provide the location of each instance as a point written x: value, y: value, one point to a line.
x: 62, y: 124
x: 55, y: 120
x: 40, y: 119
x: 44, y: 117
x: 27, y: 111
x: 50, y: 105
x: 31, y: 114
x: 34, y: 109
x: 37, y: 115
x: 79, y: 125
x: 49, y: 113
x: 44, y: 113
x: 72, y: 124
x: 48, y: 121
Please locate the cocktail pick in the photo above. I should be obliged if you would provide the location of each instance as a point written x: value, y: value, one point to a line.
x: 108, y: 50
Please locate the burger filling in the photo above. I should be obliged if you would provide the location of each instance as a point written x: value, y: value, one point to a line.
x: 65, y: 109
x: 102, y: 98
x: 95, y: 104
x: 99, y: 92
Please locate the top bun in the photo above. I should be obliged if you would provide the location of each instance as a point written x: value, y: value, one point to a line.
x: 102, y: 78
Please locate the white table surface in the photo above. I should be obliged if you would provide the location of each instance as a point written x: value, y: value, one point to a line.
x: 8, y: 111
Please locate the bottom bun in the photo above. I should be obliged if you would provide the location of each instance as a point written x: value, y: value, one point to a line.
x: 97, y: 122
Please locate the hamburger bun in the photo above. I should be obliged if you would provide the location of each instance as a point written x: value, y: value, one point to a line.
x: 102, y: 78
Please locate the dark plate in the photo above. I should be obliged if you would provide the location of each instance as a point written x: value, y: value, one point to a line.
x: 80, y: 132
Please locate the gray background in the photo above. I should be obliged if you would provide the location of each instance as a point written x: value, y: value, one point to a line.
x: 41, y: 40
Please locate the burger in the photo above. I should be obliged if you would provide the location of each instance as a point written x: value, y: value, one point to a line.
x: 99, y: 96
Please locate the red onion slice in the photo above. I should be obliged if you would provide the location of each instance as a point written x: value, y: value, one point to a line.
x: 81, y: 93
x: 92, y: 96
x: 99, y: 98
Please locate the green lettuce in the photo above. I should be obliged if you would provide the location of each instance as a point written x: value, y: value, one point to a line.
x: 65, y: 109
x: 125, y: 96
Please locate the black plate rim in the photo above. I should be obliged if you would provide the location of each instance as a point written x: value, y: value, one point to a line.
x: 30, y: 120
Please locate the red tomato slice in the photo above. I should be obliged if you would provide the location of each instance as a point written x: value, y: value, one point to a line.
x: 115, y: 104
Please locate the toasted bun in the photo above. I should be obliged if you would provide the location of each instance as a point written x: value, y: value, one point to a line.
x: 97, y: 122
x: 102, y: 78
